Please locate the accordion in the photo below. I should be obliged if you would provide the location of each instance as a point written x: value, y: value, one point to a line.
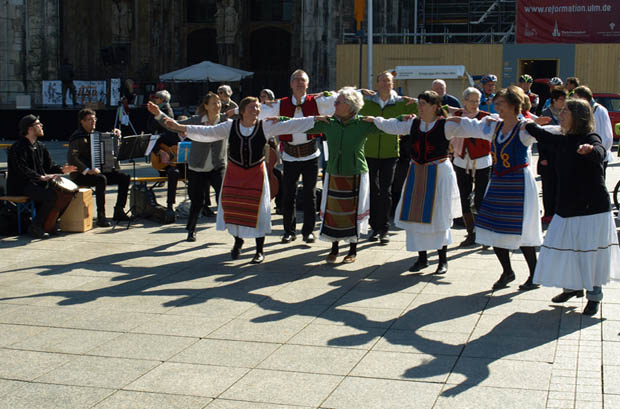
x: 103, y: 148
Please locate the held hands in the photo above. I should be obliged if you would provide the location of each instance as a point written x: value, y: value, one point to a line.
x: 585, y: 149
x: 272, y: 119
x: 94, y: 171
x: 116, y: 132
x: 542, y: 120
x: 174, y: 125
x: 230, y: 113
x: 322, y: 118
x: 410, y: 100
x: 153, y: 108
x: 368, y: 92
x: 368, y: 119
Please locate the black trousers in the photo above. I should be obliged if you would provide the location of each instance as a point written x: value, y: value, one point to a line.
x: 198, y: 189
x: 100, y: 181
x: 309, y: 170
x: 549, y: 188
x: 44, y: 197
x: 173, y: 173
x: 381, y: 175
x: 466, y: 182
x: 400, y: 175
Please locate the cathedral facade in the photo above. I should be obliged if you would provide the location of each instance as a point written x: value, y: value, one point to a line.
x: 140, y: 39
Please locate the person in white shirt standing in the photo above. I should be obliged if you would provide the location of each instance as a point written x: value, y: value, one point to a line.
x: 602, y: 123
x: 300, y: 156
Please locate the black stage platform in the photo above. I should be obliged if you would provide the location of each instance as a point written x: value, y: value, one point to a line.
x: 59, y: 123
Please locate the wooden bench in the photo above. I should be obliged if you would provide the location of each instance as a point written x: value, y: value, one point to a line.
x: 22, y: 203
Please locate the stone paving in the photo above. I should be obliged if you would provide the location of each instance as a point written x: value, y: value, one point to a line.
x: 140, y: 318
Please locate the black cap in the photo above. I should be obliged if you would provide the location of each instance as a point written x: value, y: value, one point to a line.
x: 26, y: 122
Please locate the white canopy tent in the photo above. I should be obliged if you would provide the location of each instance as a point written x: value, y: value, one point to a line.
x: 419, y: 78
x: 206, y: 71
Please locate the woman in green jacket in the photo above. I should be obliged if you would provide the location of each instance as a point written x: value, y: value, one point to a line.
x: 345, y: 205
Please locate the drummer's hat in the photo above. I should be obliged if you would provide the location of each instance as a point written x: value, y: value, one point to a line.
x: 26, y: 122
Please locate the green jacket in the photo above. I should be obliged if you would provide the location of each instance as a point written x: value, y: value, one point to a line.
x: 345, y: 143
x: 379, y: 144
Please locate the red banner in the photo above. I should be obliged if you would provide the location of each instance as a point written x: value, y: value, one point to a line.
x: 565, y: 21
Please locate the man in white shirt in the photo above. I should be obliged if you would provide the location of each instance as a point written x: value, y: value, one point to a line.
x: 602, y: 123
x: 300, y: 156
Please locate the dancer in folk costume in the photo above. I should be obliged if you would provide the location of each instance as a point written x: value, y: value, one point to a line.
x: 580, y: 250
x: 345, y: 204
x: 430, y: 197
x: 508, y: 218
x: 244, y: 208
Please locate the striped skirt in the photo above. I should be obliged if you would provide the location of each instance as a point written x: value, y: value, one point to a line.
x: 345, y: 208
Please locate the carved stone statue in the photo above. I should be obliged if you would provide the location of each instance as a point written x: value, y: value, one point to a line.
x: 226, y: 22
x: 122, y: 19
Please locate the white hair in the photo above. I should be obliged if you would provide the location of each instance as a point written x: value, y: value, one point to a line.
x: 352, y: 98
x: 299, y: 71
x: 440, y: 81
x: 471, y: 90
x: 225, y: 88
x: 163, y: 94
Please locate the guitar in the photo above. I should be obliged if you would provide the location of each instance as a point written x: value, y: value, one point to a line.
x: 156, y: 160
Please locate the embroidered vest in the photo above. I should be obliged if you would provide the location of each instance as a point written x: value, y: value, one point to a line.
x: 246, y: 151
x: 308, y: 108
x: 510, y: 154
x: 428, y: 146
x: 477, y: 148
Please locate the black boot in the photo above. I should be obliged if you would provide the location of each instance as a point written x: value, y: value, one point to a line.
x: 442, y: 267
x: 567, y: 295
x: 119, y: 215
x: 528, y: 285
x: 259, y: 257
x: 191, y: 235
x: 236, y: 250
x: 504, y: 279
x: 591, y: 308
x: 470, y: 239
x: 421, y: 262
x: 101, y: 220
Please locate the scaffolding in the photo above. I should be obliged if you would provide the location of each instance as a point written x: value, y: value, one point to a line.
x: 451, y: 21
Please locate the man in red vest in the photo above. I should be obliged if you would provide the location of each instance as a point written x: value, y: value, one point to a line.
x: 300, y: 156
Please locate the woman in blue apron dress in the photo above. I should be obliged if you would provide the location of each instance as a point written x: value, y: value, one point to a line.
x: 509, y: 217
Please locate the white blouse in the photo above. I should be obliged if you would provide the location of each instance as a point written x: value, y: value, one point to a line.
x: 205, y: 133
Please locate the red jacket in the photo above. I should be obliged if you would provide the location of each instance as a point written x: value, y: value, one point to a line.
x: 477, y: 148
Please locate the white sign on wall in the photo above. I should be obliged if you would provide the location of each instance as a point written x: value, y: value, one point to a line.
x: 115, y: 91
x: 52, y: 92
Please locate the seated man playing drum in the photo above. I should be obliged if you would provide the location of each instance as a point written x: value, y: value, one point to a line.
x: 32, y: 171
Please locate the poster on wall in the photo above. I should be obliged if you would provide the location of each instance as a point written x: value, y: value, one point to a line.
x: 559, y: 21
x: 52, y: 92
x: 115, y: 91
x: 90, y: 91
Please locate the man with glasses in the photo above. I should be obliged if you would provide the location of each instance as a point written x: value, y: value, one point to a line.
x: 488, y: 92
x: 79, y: 156
x: 224, y: 92
x: 30, y: 169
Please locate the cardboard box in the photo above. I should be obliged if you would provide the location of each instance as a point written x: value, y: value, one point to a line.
x: 79, y: 214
